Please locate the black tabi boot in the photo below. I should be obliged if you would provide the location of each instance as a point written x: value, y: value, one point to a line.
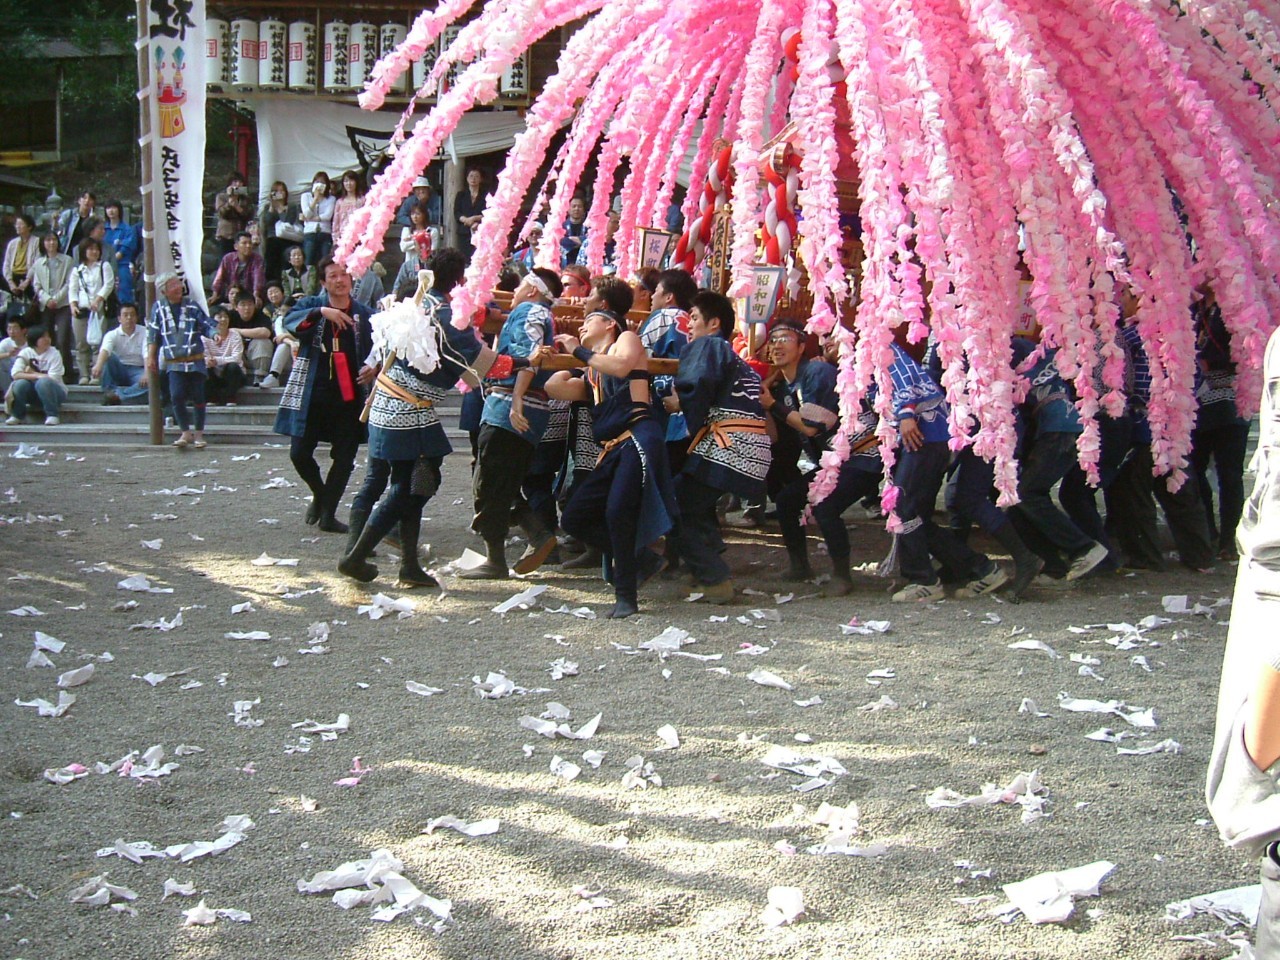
x: 1027, y: 564
x: 841, y: 582
x: 411, y: 572
x: 356, y: 562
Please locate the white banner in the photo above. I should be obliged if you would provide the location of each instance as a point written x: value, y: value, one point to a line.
x: 176, y: 62
x: 299, y: 135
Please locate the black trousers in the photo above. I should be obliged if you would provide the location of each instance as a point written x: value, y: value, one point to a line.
x: 1134, y: 496
x: 502, y: 460
x: 604, y: 513
x: 700, y: 544
x: 1225, y: 446
x: 340, y: 424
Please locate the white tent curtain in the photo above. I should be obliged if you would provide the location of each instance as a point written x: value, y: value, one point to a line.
x: 298, y: 136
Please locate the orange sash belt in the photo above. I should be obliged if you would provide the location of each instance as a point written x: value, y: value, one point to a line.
x: 389, y: 386
x: 719, y: 430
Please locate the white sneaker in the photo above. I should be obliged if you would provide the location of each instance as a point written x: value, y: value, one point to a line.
x: 980, y: 587
x: 12, y: 422
x: 270, y: 382
x: 920, y: 593
x: 1087, y: 561
x: 51, y: 421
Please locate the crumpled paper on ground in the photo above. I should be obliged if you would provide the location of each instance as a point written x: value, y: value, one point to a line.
x: 379, y: 879
x: 1234, y: 906
x: 1050, y: 897
x: 1025, y: 789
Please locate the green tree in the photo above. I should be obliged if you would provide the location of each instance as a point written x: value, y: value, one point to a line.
x: 93, y: 26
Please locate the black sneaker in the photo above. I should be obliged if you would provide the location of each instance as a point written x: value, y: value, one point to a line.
x: 111, y: 399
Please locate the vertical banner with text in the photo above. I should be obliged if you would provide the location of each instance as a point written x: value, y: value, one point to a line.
x: 175, y: 38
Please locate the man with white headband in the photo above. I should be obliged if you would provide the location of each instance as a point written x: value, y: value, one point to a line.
x: 515, y: 416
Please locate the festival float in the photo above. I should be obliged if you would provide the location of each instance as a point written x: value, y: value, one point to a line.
x: 905, y: 164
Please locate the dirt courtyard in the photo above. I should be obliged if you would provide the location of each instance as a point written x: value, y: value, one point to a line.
x: 324, y: 735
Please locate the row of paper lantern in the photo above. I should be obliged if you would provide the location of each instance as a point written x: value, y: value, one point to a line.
x: 247, y: 55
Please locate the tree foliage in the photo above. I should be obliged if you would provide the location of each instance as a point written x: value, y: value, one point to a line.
x: 94, y: 26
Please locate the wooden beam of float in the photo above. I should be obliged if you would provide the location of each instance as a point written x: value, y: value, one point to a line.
x: 659, y: 366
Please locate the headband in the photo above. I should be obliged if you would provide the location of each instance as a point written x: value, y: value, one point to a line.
x: 538, y: 284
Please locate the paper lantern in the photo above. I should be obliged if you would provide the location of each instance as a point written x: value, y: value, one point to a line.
x: 244, y: 55
x: 272, y: 66
x: 302, y: 55
x: 362, y: 53
x: 390, y: 36
x: 423, y: 66
x: 515, y: 79
x: 337, y: 44
x: 215, y: 54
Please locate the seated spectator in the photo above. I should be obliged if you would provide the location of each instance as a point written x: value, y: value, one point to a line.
x: 298, y: 279
x: 243, y: 267
x: 254, y: 328
x: 122, y: 361
x: 286, y: 345
x: 224, y: 359
x: 10, y: 347
x: 37, y: 377
x: 422, y: 195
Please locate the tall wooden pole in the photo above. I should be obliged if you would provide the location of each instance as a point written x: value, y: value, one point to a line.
x: 144, y: 288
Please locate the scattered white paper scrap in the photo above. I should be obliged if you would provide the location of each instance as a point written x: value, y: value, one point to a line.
x: 842, y: 826
x: 1164, y: 746
x: 161, y: 624
x: 1135, y: 717
x: 247, y: 635
x: 26, y: 611
x: 421, y: 689
x: 96, y: 892
x: 814, y: 767
x: 277, y: 483
x: 768, y: 679
x: 246, y: 607
x: 29, y: 451
x: 524, y: 599
x: 594, y: 757
x: 1025, y: 789
x: 241, y: 710
x: 46, y: 709
x: 38, y: 659
x: 201, y: 915
x: 479, y: 828
x: 811, y: 702
x: 341, y: 725
x: 494, y: 687
x: 551, y: 730
x: 876, y: 677
x: 1039, y: 645
x: 669, y: 737
x: 153, y: 544
x: 668, y: 641
x: 785, y: 905
x: 381, y: 605
x: 1050, y: 897
x: 65, y: 775
x: 640, y: 774
x: 565, y: 769
x: 378, y: 880
x: 885, y: 702
x: 172, y: 888
x: 562, y: 668
x: 50, y: 644
x: 1175, y: 603
x: 1030, y: 706
x: 266, y: 560
x: 1237, y: 905
x: 140, y: 584
x: 864, y: 628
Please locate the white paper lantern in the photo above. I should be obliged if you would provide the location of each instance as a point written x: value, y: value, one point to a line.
x: 515, y: 79
x: 215, y: 53
x: 272, y: 65
x: 337, y: 48
x: 390, y: 36
x: 363, y: 53
x: 424, y: 66
x: 302, y: 55
x: 244, y: 55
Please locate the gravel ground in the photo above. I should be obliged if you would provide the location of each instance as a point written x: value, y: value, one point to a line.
x: 685, y: 868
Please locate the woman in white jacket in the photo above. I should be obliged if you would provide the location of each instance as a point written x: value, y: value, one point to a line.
x: 51, y: 278
x: 91, y: 283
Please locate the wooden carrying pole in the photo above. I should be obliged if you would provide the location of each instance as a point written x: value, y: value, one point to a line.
x: 149, y: 199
